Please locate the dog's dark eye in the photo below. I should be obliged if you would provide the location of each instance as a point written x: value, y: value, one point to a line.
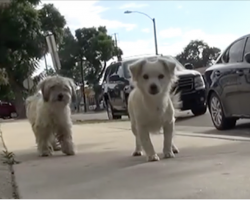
x: 145, y: 76
x: 66, y: 89
x: 161, y: 76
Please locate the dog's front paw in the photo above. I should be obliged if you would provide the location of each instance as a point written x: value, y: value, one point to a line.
x: 137, y: 153
x: 169, y: 154
x: 175, y: 150
x: 153, y: 158
x: 68, y: 148
x: 45, y: 153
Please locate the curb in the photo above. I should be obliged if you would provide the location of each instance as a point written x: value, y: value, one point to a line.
x: 95, y: 121
x: 213, y: 136
x: 201, y: 135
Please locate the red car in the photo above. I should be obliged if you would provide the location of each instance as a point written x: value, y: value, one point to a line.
x: 7, y: 110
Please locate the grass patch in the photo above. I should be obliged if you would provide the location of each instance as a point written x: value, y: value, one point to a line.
x: 10, y: 160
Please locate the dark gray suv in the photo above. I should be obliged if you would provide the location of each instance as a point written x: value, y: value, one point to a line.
x: 117, y: 86
x: 228, y: 85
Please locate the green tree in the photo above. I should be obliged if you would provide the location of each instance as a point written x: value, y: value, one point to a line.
x: 94, y: 48
x: 198, y: 53
x: 22, y: 41
x: 68, y: 56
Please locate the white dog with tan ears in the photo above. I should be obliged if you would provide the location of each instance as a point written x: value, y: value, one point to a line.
x: 50, y: 116
x: 151, y: 105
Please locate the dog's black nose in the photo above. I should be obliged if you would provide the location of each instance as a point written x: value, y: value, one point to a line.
x: 153, y: 89
x: 60, y: 97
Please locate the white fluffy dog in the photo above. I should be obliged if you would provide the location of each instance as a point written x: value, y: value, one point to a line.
x: 50, y: 116
x: 151, y: 105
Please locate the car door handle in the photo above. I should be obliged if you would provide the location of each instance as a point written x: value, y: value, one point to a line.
x: 239, y: 72
x: 217, y: 73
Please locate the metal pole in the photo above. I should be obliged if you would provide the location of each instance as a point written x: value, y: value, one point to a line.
x: 155, y: 37
x: 115, y: 40
x: 46, y: 64
x: 83, y: 87
x: 116, y: 45
x: 154, y: 26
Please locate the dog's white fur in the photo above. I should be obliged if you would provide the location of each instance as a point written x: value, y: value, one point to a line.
x: 150, y: 112
x: 50, y: 116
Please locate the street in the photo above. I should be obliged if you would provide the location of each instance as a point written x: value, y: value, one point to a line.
x: 211, y: 164
x: 185, y: 119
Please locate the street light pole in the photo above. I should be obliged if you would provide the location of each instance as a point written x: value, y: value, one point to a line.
x: 83, y: 87
x: 154, y: 26
x: 156, y: 46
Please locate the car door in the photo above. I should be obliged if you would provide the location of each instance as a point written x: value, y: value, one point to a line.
x: 229, y: 77
x: 120, y: 98
x: 244, y: 97
x: 113, y: 88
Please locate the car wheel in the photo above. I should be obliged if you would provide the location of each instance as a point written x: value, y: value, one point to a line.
x: 199, y: 111
x: 13, y: 115
x: 217, y: 114
x: 110, y: 112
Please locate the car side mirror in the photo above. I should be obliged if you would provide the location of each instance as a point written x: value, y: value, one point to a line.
x: 114, y: 77
x: 247, y: 57
x: 189, y: 66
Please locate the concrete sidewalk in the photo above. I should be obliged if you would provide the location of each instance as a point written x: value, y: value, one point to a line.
x: 104, y: 167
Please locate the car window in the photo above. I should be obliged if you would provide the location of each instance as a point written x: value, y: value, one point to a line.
x: 120, y: 70
x: 106, y: 73
x: 247, y: 47
x: 235, y: 52
x: 114, y: 69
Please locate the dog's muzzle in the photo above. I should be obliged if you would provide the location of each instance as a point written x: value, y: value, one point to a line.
x: 153, y: 89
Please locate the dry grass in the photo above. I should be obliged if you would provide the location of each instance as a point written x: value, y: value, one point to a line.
x: 8, y: 157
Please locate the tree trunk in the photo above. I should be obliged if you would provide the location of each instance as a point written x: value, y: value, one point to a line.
x: 97, y: 102
x: 18, y: 94
x: 19, y: 103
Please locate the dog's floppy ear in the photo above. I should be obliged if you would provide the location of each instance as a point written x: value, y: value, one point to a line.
x: 42, y: 86
x: 73, y: 88
x: 169, y: 65
x: 136, y: 68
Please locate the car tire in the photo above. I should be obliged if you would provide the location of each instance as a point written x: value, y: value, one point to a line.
x: 199, y: 111
x: 217, y: 114
x: 110, y: 112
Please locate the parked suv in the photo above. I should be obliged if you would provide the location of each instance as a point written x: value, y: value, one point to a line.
x: 117, y: 86
x: 228, y: 85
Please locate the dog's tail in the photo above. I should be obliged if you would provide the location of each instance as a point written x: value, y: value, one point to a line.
x: 176, y: 100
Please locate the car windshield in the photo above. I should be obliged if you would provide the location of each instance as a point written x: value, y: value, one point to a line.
x: 125, y: 64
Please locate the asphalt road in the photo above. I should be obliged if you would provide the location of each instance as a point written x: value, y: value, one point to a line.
x: 187, y: 122
x: 184, y: 119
